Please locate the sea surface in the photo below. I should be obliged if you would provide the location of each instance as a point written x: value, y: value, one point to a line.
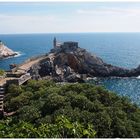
x: 120, y: 49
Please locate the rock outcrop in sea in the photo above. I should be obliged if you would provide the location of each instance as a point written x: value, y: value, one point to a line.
x: 5, y: 51
x: 68, y: 62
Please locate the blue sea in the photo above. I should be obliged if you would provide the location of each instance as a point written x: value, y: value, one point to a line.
x: 120, y: 49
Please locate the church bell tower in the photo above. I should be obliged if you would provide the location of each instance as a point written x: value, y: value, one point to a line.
x: 54, y: 42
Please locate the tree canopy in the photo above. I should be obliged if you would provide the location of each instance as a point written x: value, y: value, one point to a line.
x: 45, y: 109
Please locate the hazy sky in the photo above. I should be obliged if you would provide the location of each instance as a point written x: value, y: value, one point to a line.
x: 49, y: 17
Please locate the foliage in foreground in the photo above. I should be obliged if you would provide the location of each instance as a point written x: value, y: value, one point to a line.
x: 48, y: 110
x: 62, y: 128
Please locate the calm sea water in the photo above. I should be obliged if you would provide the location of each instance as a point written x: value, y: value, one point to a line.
x: 121, y: 49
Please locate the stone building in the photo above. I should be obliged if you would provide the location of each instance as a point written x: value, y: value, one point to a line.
x: 65, y: 45
x: 70, y: 45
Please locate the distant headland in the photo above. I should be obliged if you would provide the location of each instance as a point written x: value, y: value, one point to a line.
x: 66, y: 62
x: 5, y: 52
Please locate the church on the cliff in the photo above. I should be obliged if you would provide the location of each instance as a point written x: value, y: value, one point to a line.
x: 65, y: 45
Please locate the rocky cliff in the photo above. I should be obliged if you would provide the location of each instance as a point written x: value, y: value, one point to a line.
x: 5, y: 51
x: 74, y: 64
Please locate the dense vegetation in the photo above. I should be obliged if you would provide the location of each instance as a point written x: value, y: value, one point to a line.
x: 45, y: 109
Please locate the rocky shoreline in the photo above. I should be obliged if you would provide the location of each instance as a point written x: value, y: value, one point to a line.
x: 5, y: 52
x: 68, y: 62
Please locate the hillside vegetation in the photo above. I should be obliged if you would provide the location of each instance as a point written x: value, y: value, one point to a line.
x: 45, y: 109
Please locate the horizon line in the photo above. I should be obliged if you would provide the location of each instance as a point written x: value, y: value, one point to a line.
x: 63, y: 33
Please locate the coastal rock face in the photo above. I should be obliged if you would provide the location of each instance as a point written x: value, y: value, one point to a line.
x: 5, y: 51
x: 72, y: 64
x: 83, y: 62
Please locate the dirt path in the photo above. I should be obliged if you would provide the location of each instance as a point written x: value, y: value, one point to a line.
x: 24, y: 67
x: 27, y: 65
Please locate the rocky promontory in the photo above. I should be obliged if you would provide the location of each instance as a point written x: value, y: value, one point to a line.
x: 68, y: 62
x: 5, y: 51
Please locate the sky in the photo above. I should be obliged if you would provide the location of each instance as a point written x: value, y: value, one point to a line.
x: 69, y: 17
